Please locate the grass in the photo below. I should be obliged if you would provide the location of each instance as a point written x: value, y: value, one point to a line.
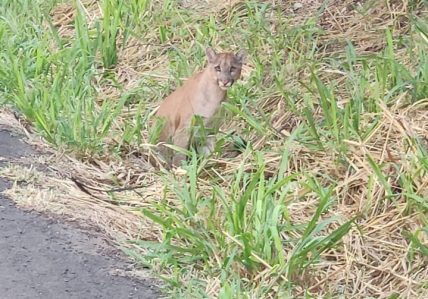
x: 328, y: 195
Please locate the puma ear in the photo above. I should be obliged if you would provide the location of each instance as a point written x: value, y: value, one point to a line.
x: 241, y: 55
x: 211, y: 55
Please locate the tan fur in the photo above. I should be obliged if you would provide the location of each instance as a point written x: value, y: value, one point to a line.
x: 200, y: 95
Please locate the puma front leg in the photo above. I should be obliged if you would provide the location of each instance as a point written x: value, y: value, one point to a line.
x: 180, y: 139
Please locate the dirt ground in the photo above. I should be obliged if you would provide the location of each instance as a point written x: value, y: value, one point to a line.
x: 45, y: 257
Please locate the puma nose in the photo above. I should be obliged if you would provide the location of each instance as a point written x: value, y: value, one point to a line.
x: 226, y: 82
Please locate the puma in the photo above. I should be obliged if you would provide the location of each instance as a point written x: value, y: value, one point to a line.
x: 201, y: 95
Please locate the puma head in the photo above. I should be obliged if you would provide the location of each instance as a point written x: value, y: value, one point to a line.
x: 225, y: 67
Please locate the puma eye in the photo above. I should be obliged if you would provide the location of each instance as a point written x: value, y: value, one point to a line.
x: 217, y: 68
x: 232, y: 68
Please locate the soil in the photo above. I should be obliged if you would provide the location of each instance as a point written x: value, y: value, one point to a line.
x: 45, y: 257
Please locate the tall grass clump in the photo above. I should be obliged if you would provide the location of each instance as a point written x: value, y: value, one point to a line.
x: 48, y: 79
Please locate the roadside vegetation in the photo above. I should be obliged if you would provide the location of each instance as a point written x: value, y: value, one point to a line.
x: 319, y: 185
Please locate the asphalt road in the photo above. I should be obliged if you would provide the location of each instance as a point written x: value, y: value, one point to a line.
x: 44, y: 257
